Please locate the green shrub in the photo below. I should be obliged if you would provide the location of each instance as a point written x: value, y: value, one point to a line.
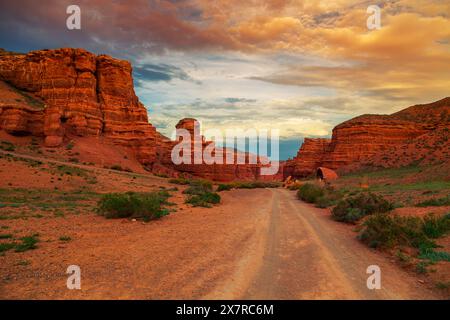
x: 328, y: 199
x: 310, y: 192
x: 7, y: 146
x: 421, y: 267
x: 387, y: 231
x: 70, y: 145
x: 432, y: 255
x: 256, y: 184
x: 435, y: 202
x: 435, y: 227
x: 354, y: 208
x: 28, y: 243
x: 198, y: 187
x: 204, y: 199
x: 181, y: 181
x: 6, y: 246
x: 224, y: 187
x: 249, y: 185
x: 134, y: 205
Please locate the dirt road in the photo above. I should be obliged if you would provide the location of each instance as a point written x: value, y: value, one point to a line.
x: 309, y: 256
x: 258, y: 244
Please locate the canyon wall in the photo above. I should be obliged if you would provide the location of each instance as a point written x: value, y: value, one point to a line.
x: 66, y: 93
x: 379, y: 141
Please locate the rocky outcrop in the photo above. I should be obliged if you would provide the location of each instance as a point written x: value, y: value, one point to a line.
x: 309, y: 157
x: 72, y: 92
x: 380, y: 141
x: 221, y: 171
x: 84, y: 94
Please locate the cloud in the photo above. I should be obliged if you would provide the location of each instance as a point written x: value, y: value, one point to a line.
x: 301, y: 66
x: 160, y: 72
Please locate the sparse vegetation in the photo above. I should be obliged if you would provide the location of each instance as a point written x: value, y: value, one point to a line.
x: 118, y: 167
x: 147, y: 206
x: 443, y: 285
x: 352, y: 209
x: 200, y: 194
x: 7, y: 146
x: 180, y: 181
x: 445, y: 201
x: 65, y: 238
x: 248, y: 185
x: 224, y: 187
x: 310, y: 192
x: 70, y: 145
x: 199, y: 187
x: 203, y: 200
x: 387, y: 231
x: 6, y: 246
x: 28, y: 243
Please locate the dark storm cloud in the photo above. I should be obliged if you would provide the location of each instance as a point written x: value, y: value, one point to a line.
x: 162, y: 72
x: 107, y: 26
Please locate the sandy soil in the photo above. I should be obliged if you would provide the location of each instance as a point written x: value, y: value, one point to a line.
x: 257, y: 244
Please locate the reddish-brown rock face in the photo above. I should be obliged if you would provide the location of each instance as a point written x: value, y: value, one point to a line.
x: 219, y: 171
x: 77, y: 93
x: 309, y: 157
x: 84, y: 94
x: 360, y: 141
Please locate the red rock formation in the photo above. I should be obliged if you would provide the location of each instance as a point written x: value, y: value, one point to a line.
x: 375, y: 140
x: 309, y: 157
x: 326, y: 174
x: 80, y: 94
x: 84, y: 94
x: 219, y: 171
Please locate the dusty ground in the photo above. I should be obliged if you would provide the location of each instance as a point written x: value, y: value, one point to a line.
x: 247, y: 248
x: 257, y: 244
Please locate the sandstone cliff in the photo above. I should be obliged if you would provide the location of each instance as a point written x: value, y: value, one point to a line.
x: 65, y: 93
x: 418, y: 134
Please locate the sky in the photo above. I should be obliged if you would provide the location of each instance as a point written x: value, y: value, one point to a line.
x: 301, y: 67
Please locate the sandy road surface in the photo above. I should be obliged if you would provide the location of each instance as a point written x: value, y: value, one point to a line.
x: 309, y: 256
x: 258, y: 244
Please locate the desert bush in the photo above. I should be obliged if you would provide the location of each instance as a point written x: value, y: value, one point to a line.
x: 383, y: 230
x: 445, y: 201
x: 354, y: 208
x: 198, y: 187
x: 7, y: 146
x: 249, y: 185
x: 432, y: 255
x: 28, y: 243
x: 310, y: 192
x: 70, y: 145
x: 328, y: 199
x: 147, y: 206
x: 181, y: 181
x: 224, y: 187
x: 256, y: 184
x: 203, y: 200
x: 435, y: 226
